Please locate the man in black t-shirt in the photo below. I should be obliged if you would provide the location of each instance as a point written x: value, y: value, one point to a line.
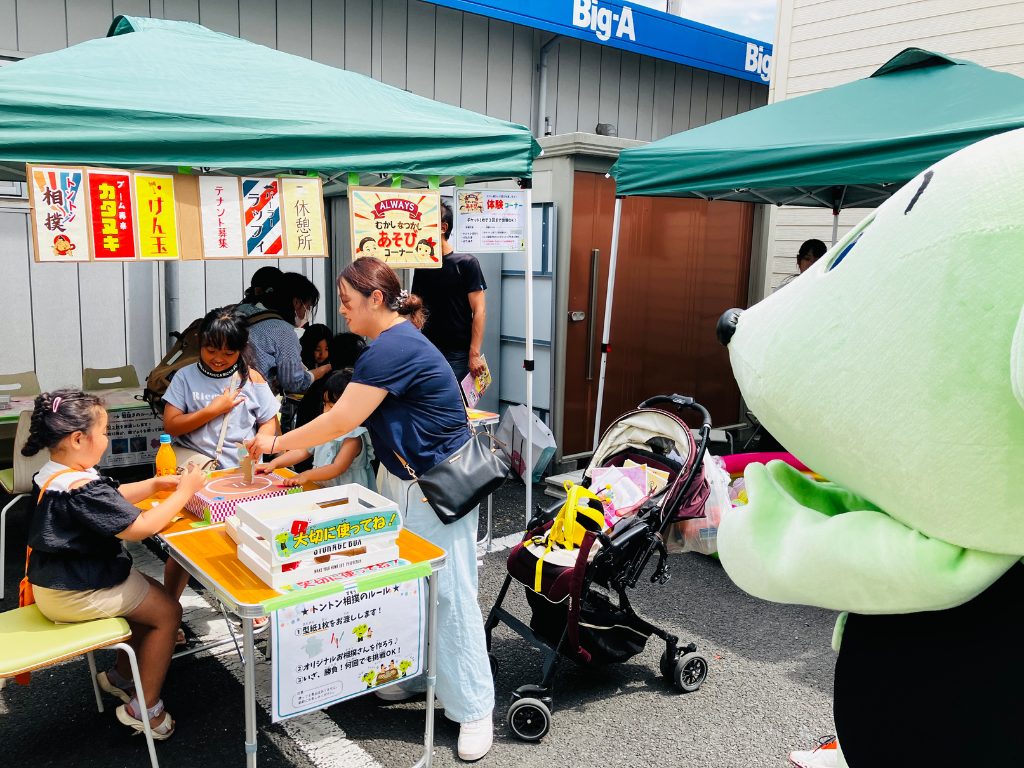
x: 454, y: 297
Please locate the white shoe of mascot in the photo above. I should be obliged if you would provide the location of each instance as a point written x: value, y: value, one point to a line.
x: 894, y: 367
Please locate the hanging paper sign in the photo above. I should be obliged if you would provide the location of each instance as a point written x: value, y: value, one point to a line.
x: 344, y: 645
x: 399, y: 227
x: 59, y: 201
x: 262, y: 218
x: 490, y: 221
x: 157, y: 216
x: 302, y: 217
x: 112, y: 215
x: 220, y: 217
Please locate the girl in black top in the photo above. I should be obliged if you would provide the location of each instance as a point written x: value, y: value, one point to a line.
x: 79, y: 568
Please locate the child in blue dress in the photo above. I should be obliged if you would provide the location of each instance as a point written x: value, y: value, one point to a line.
x: 345, y: 459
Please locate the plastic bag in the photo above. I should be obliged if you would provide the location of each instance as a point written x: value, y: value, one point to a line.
x: 512, y: 432
x: 700, y: 534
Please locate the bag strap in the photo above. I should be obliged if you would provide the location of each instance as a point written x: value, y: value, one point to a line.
x: 53, y: 477
x: 224, y: 425
x: 473, y: 435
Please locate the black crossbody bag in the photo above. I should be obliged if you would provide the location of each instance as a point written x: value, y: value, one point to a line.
x: 462, y: 480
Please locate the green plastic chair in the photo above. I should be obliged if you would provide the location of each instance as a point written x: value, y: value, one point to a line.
x: 25, y: 384
x: 99, y: 379
x: 30, y: 641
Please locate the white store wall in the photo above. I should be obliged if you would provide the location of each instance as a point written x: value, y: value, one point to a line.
x: 60, y: 318
x: 823, y: 44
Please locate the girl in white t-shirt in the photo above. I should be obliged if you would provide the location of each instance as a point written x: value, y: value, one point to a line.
x: 219, y: 395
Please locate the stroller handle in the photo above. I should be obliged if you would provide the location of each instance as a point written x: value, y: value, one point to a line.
x: 681, y: 402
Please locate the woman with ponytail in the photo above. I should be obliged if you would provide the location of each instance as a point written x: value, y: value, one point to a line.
x: 405, y: 393
x: 79, y: 569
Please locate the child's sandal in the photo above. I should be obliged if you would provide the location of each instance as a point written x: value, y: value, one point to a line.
x: 108, y: 687
x: 160, y: 732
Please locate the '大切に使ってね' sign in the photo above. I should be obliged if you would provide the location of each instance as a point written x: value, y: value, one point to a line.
x: 401, y: 227
x: 104, y: 214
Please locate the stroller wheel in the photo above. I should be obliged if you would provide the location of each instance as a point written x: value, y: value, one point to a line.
x: 493, y: 661
x: 529, y: 719
x: 691, y: 670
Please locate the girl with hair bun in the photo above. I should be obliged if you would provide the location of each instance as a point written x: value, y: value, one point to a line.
x: 79, y: 569
x: 405, y: 393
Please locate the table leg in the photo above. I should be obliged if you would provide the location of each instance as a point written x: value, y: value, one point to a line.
x: 490, y: 507
x: 249, y: 673
x: 428, y: 731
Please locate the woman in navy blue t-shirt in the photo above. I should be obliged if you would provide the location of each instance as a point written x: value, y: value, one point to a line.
x: 405, y: 393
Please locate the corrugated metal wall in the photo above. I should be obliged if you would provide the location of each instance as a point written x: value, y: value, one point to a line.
x: 61, y: 318
x: 823, y: 44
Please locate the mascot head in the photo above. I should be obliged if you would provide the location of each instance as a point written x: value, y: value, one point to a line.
x: 894, y: 366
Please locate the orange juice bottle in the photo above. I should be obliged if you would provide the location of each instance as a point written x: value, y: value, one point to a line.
x: 166, y: 461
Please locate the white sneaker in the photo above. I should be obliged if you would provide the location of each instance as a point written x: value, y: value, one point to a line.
x: 475, y: 738
x: 825, y: 755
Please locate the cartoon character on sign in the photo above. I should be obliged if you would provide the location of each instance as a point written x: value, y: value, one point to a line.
x: 368, y: 247
x: 62, y: 245
x: 362, y: 632
x: 470, y: 202
x: 403, y: 666
x: 425, y: 248
x: 369, y: 678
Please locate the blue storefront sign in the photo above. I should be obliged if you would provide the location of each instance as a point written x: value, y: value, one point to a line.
x: 637, y: 29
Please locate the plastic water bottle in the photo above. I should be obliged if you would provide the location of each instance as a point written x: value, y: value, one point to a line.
x: 166, y: 461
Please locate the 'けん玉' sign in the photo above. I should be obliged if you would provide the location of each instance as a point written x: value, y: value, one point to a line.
x: 401, y: 227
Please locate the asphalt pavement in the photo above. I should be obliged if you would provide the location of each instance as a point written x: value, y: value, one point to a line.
x: 768, y: 690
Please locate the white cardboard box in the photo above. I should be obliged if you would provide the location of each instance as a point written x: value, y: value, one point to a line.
x: 315, y: 533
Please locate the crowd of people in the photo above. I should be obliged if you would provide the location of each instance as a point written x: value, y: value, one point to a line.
x: 384, y: 394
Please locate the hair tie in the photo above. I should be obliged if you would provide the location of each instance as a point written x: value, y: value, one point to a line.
x: 56, y: 403
x: 399, y: 302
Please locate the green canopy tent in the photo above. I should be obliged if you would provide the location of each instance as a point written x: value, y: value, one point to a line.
x: 845, y: 147
x: 166, y: 95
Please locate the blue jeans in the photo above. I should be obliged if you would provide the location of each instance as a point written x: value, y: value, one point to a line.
x: 459, y: 361
x: 464, y: 683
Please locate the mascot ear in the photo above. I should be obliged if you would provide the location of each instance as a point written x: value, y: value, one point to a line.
x: 1017, y: 360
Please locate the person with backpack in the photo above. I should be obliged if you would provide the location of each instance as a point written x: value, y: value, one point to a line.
x: 214, y: 404
x: 276, y: 351
x: 262, y: 280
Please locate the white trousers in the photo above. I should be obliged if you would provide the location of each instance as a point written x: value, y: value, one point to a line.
x: 464, y: 683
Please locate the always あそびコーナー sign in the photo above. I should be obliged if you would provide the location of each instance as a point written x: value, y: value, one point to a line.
x: 401, y: 227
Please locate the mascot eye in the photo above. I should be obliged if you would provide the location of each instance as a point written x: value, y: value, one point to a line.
x: 842, y: 254
x: 847, y: 244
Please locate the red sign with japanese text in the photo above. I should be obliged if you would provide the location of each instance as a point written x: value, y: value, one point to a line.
x: 112, y: 222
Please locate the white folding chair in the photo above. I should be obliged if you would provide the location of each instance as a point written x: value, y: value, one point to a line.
x: 18, y: 481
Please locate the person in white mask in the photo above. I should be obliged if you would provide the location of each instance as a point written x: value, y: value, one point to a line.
x: 275, y: 344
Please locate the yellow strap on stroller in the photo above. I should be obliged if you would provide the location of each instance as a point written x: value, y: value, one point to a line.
x: 565, y: 532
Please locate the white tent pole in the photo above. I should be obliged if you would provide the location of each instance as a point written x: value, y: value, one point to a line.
x: 609, y: 294
x: 835, y: 225
x: 528, y: 362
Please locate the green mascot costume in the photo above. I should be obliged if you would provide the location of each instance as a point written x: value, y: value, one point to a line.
x: 895, y: 367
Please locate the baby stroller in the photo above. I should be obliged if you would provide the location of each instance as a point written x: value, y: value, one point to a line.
x: 573, y: 614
